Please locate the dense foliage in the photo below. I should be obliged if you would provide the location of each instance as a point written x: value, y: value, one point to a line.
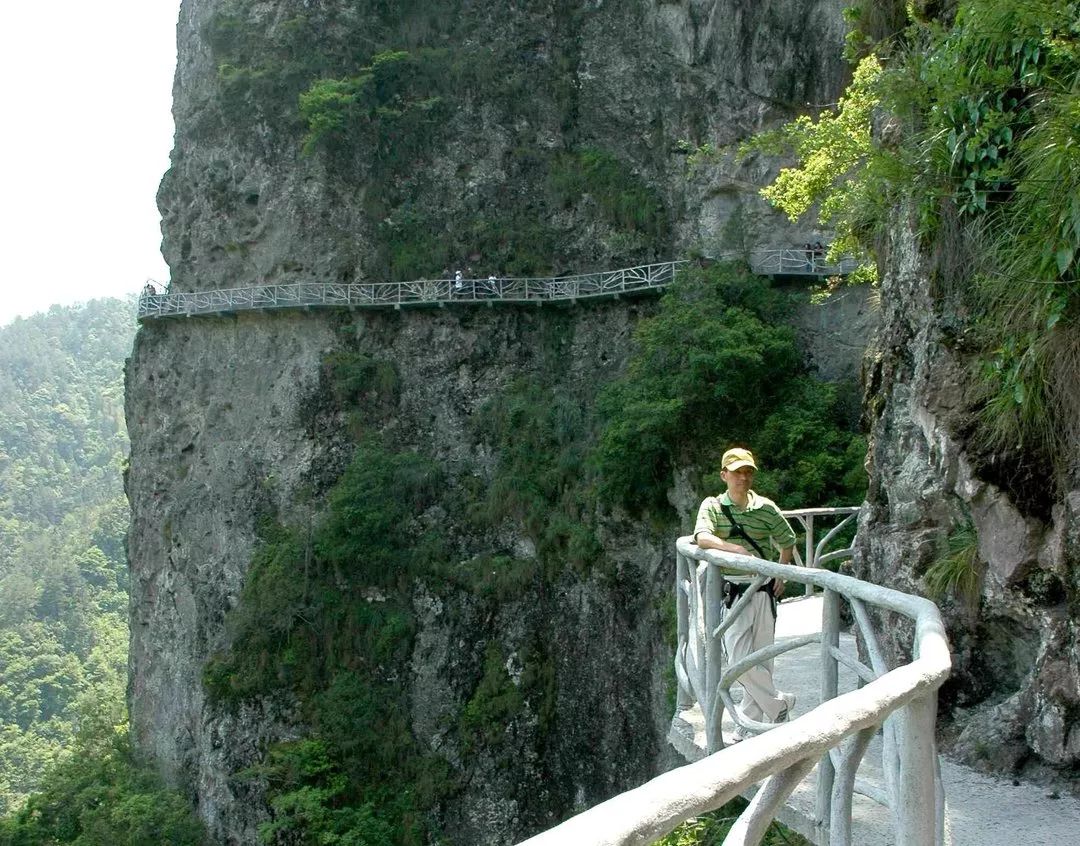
x: 978, y: 119
x: 719, y: 366
x: 101, y: 794
x: 67, y: 774
x: 63, y: 523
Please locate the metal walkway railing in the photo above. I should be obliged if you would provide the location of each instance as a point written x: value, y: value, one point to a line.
x: 834, y: 736
x: 437, y: 292
x: 440, y: 292
x: 799, y: 263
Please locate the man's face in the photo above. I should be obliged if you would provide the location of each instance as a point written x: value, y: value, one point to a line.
x: 738, y: 481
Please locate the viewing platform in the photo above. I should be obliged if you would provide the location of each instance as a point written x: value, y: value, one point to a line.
x: 980, y: 810
x: 439, y: 293
x: 856, y: 762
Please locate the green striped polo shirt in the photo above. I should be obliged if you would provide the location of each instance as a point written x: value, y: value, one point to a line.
x: 761, y: 519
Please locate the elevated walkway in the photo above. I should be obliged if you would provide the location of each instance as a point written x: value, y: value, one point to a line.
x: 627, y: 281
x: 980, y: 810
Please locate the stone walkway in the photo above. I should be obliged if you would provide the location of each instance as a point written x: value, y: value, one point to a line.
x: 979, y: 810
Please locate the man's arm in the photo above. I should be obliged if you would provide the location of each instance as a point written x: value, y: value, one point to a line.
x: 786, y: 554
x: 707, y: 540
x: 705, y: 537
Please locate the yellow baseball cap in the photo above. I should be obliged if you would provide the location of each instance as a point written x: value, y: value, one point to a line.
x: 737, y: 457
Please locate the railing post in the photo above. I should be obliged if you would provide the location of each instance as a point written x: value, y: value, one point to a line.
x: 917, y: 805
x: 684, y: 698
x: 830, y: 676
x: 808, y: 560
x: 713, y: 661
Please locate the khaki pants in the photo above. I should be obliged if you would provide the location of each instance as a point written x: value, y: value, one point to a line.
x: 755, y: 629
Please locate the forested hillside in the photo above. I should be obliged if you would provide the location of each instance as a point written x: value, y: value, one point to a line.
x: 63, y: 521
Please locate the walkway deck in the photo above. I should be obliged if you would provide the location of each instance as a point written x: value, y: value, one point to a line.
x: 980, y: 810
x: 627, y: 281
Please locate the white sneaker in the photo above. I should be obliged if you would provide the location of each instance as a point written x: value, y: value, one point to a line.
x: 789, y: 706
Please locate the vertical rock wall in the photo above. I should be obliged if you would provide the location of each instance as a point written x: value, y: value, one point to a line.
x: 244, y: 429
x: 642, y: 81
x: 1015, y: 693
x: 230, y: 418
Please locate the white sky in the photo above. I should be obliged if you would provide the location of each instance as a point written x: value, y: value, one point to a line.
x: 86, y: 98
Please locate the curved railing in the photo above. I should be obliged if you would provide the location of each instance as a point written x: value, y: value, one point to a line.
x: 609, y: 283
x: 814, y: 554
x: 834, y: 736
x: 799, y: 263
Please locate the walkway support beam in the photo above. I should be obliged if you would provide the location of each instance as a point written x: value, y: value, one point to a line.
x: 714, y: 665
x: 830, y: 676
x: 915, y: 824
x: 684, y: 696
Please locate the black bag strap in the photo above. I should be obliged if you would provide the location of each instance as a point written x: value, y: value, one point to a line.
x: 739, y: 531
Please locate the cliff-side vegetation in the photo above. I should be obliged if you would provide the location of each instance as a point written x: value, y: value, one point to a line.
x: 326, y: 612
x: 339, y: 637
x: 383, y: 90
x: 711, y: 829
x: 719, y: 365
x: 980, y: 110
x: 542, y: 437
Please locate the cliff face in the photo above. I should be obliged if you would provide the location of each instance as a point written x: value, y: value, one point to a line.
x: 518, y: 138
x: 244, y: 426
x: 523, y: 137
x: 1016, y: 685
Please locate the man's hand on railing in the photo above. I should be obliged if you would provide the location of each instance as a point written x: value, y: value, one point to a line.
x: 707, y: 540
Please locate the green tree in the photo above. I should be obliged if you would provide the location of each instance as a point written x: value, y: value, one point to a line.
x: 718, y: 365
x: 63, y: 521
x: 977, y: 108
x: 98, y: 794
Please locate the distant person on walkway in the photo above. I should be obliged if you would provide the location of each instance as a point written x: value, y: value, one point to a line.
x: 746, y: 523
x: 458, y: 285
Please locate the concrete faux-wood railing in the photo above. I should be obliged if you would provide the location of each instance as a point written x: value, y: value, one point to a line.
x: 442, y: 292
x: 834, y: 736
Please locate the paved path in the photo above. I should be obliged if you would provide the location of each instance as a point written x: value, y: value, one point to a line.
x: 979, y: 810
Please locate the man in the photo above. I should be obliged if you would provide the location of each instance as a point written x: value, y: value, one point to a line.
x: 746, y: 523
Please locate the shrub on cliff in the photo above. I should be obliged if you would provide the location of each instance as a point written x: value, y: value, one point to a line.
x: 718, y: 365
x: 976, y: 114
x: 325, y: 615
